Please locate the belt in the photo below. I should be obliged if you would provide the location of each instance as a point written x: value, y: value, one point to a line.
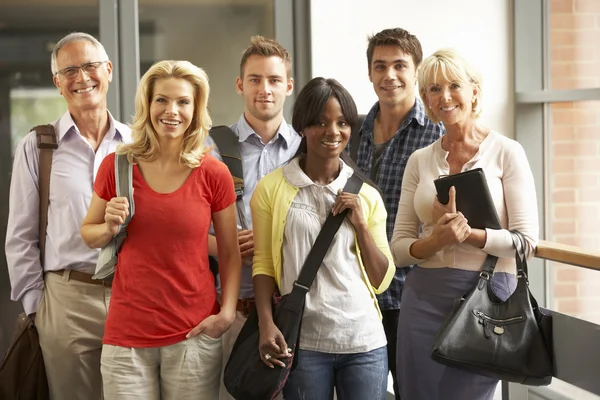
x: 246, y: 306
x: 81, y: 277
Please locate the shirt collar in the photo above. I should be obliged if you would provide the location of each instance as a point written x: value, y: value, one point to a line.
x: 245, y: 131
x: 296, y: 176
x: 417, y: 112
x: 65, y: 124
x: 116, y: 130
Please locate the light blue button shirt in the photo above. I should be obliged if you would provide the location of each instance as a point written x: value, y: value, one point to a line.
x: 74, y: 168
x: 258, y: 159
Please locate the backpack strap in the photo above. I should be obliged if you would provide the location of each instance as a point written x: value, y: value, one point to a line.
x: 124, y: 186
x: 355, y: 138
x: 46, y: 143
x: 229, y: 148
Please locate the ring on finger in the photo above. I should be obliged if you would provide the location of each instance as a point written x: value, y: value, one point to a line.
x: 267, y: 356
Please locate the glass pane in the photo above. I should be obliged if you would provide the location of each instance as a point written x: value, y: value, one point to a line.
x: 33, y: 106
x: 28, y: 32
x: 574, y: 53
x: 574, y: 213
x: 574, y: 203
x: 211, y: 35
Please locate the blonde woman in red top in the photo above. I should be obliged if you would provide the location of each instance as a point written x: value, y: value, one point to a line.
x: 164, y: 326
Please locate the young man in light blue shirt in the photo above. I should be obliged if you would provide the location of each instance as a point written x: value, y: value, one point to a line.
x: 266, y: 142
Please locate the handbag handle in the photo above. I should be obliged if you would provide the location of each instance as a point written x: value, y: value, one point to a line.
x: 317, y: 253
x: 520, y: 259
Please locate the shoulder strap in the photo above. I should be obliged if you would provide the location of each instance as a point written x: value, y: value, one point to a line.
x: 317, y: 253
x: 46, y: 143
x: 229, y: 148
x: 520, y: 254
x: 355, y: 138
x: 124, y: 183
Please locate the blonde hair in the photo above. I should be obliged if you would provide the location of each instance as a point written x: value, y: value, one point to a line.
x: 144, y: 145
x: 454, y: 68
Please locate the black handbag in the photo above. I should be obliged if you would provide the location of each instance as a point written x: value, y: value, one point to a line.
x: 509, y: 340
x: 246, y: 377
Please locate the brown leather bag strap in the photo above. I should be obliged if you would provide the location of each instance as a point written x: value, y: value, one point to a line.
x: 46, y: 143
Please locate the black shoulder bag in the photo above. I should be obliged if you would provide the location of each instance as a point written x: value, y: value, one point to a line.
x: 509, y: 340
x: 246, y: 377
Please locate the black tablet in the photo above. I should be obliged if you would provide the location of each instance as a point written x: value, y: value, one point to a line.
x: 473, y: 197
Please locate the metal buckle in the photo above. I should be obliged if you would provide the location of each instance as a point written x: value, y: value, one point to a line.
x: 301, y: 286
x: 485, y: 275
x: 522, y: 275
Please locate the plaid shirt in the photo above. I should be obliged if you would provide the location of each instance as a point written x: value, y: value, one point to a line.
x: 415, y: 132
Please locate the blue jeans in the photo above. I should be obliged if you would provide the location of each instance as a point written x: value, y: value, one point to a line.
x: 357, y: 376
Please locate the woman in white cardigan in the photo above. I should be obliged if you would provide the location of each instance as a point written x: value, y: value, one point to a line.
x: 449, y: 253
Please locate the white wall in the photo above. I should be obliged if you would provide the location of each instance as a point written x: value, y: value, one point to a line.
x: 210, y: 36
x: 480, y: 29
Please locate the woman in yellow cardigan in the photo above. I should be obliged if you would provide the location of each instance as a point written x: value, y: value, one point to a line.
x: 342, y: 342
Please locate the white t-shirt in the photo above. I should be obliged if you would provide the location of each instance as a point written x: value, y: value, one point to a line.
x: 339, y: 315
x: 511, y: 186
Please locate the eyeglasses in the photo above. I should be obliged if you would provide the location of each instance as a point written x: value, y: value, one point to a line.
x: 89, y: 68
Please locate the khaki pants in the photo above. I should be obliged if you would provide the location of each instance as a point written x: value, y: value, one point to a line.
x: 188, y: 370
x: 229, y: 338
x: 70, y: 321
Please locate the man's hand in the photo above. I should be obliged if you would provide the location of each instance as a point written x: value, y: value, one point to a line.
x: 246, y: 242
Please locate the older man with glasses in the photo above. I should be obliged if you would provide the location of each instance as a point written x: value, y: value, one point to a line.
x: 68, y: 307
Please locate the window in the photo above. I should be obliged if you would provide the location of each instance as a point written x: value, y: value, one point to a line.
x: 212, y: 36
x: 557, y: 116
x: 28, y: 33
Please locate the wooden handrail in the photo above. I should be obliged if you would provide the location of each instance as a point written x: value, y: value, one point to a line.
x: 568, y: 254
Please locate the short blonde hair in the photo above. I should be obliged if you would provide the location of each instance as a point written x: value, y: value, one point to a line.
x: 454, y: 68
x: 145, y: 144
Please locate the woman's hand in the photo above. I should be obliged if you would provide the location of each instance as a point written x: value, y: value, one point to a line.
x: 351, y: 202
x: 451, y: 229
x: 272, y: 346
x: 213, y: 326
x: 117, y: 211
x: 440, y: 209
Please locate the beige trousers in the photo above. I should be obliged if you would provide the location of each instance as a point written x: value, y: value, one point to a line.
x: 188, y: 370
x: 70, y: 321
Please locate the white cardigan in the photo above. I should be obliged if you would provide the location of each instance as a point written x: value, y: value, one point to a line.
x: 511, y: 186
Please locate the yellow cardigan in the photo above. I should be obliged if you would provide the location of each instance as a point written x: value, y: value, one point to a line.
x: 270, y: 204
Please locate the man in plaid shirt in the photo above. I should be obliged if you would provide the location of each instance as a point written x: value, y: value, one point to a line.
x: 395, y: 127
